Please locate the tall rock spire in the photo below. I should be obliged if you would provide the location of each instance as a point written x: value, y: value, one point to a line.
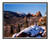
x: 38, y: 13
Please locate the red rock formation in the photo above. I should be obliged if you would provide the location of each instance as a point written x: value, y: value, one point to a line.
x: 41, y: 19
x: 38, y: 13
x: 32, y: 14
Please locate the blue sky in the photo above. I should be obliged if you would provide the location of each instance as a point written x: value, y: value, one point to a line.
x: 25, y: 8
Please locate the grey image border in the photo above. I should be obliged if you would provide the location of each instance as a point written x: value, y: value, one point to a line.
x: 26, y: 3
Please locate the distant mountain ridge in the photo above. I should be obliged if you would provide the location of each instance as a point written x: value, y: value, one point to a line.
x: 14, y: 13
x: 21, y: 13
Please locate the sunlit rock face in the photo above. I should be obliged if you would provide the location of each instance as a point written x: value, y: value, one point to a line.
x: 38, y: 13
x: 32, y: 31
x: 32, y: 14
x: 41, y: 19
